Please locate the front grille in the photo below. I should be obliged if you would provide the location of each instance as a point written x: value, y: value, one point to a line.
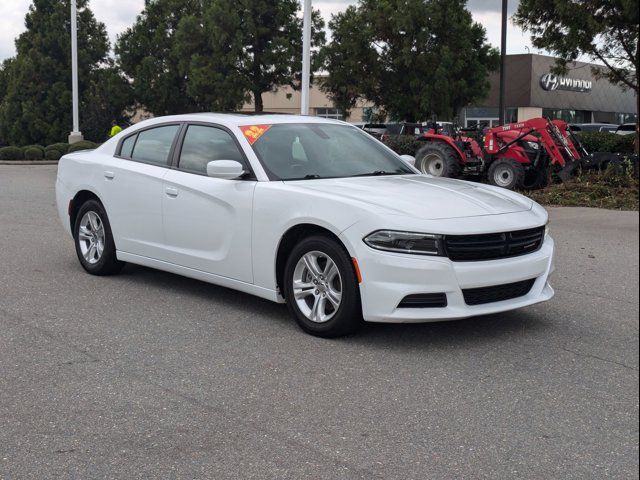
x: 497, y: 293
x: 491, y: 246
x: 424, y: 300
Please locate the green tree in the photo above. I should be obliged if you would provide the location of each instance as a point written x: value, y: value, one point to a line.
x: 36, y: 107
x: 604, y: 30
x: 104, y: 100
x: 197, y: 55
x: 412, y: 58
x: 149, y: 53
x: 253, y: 46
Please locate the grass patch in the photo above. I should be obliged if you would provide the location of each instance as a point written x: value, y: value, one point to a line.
x: 615, y: 189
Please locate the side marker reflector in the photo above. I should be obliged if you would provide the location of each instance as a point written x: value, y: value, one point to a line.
x: 357, y: 269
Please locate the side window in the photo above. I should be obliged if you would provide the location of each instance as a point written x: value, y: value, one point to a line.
x: 153, y: 145
x: 203, y: 144
x: 127, y: 146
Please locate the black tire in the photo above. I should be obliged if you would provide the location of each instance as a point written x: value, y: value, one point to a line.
x: 438, y: 159
x: 105, y: 263
x: 535, y: 179
x: 506, y: 173
x: 347, y: 318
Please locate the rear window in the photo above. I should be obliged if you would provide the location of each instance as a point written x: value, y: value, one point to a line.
x: 153, y: 145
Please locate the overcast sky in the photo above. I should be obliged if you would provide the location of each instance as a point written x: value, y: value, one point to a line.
x: 117, y: 15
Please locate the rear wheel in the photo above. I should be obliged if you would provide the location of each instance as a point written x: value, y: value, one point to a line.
x: 95, y: 247
x: 506, y: 173
x: 321, y: 288
x: 438, y: 160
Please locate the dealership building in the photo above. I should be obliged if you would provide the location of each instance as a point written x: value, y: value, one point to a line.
x: 532, y: 90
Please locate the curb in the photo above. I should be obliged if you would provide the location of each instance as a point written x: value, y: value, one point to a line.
x: 28, y: 162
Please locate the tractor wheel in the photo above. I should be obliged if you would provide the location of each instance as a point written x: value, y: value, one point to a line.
x: 535, y: 179
x: 438, y: 160
x: 506, y: 173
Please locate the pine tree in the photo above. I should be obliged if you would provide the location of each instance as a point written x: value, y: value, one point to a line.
x: 36, y: 107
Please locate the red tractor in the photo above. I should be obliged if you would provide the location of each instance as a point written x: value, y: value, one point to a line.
x: 517, y: 155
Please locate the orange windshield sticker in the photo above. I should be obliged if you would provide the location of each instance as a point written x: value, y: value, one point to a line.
x: 253, y: 132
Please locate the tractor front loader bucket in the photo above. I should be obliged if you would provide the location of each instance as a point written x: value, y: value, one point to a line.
x: 566, y: 172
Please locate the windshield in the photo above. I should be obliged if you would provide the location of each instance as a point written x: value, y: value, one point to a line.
x: 297, y: 151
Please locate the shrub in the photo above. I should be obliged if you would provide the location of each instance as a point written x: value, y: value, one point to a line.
x: 58, y: 147
x: 403, y: 144
x: 606, y: 142
x: 28, y: 147
x: 83, y: 145
x: 11, y: 153
x: 52, y: 154
x: 33, y: 153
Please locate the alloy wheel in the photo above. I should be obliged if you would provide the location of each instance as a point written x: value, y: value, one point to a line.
x: 317, y: 286
x: 91, y: 237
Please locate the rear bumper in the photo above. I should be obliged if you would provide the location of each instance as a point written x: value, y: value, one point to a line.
x: 388, y: 278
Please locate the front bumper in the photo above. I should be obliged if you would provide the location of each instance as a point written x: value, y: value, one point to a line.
x: 389, y: 277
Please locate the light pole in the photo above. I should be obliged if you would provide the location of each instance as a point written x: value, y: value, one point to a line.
x: 503, y: 48
x: 306, y: 57
x: 75, y: 135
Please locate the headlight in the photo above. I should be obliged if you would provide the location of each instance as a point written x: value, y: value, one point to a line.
x: 405, y: 242
x: 534, y: 145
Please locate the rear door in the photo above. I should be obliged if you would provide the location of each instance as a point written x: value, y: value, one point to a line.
x: 133, y: 189
x: 207, y: 221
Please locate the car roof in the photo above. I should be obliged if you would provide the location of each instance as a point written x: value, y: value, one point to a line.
x: 595, y: 124
x: 239, y: 119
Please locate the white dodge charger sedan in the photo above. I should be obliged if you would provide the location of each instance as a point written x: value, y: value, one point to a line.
x: 312, y: 212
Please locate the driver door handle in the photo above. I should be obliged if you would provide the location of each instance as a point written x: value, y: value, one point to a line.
x: 171, y: 192
x: 109, y: 175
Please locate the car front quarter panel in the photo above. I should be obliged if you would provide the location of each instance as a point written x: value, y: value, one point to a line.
x: 277, y: 209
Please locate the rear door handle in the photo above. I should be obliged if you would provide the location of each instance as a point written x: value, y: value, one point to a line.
x: 172, y: 192
x: 109, y: 175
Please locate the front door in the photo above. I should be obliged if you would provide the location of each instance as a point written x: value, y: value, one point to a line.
x: 207, y: 221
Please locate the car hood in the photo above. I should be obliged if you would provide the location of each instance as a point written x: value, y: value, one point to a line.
x: 420, y: 196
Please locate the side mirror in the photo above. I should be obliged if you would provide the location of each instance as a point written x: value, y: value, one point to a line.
x: 410, y: 159
x: 227, y: 169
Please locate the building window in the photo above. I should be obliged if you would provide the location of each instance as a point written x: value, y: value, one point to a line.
x: 510, y: 115
x: 569, y: 116
x: 625, y: 118
x: 480, y: 123
x: 334, y: 113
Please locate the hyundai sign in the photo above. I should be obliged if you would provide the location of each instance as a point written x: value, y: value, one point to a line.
x: 551, y: 81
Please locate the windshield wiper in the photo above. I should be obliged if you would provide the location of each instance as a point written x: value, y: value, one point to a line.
x: 310, y: 176
x: 376, y: 173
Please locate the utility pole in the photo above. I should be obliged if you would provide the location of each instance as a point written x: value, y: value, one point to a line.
x: 306, y: 57
x: 503, y: 48
x: 75, y: 135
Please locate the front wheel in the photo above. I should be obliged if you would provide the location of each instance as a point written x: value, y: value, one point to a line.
x: 536, y: 179
x: 321, y: 288
x: 506, y: 173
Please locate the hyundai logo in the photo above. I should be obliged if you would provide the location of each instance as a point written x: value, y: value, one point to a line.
x: 549, y: 81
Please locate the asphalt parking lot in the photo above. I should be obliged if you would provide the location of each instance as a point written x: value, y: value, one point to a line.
x: 151, y: 375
